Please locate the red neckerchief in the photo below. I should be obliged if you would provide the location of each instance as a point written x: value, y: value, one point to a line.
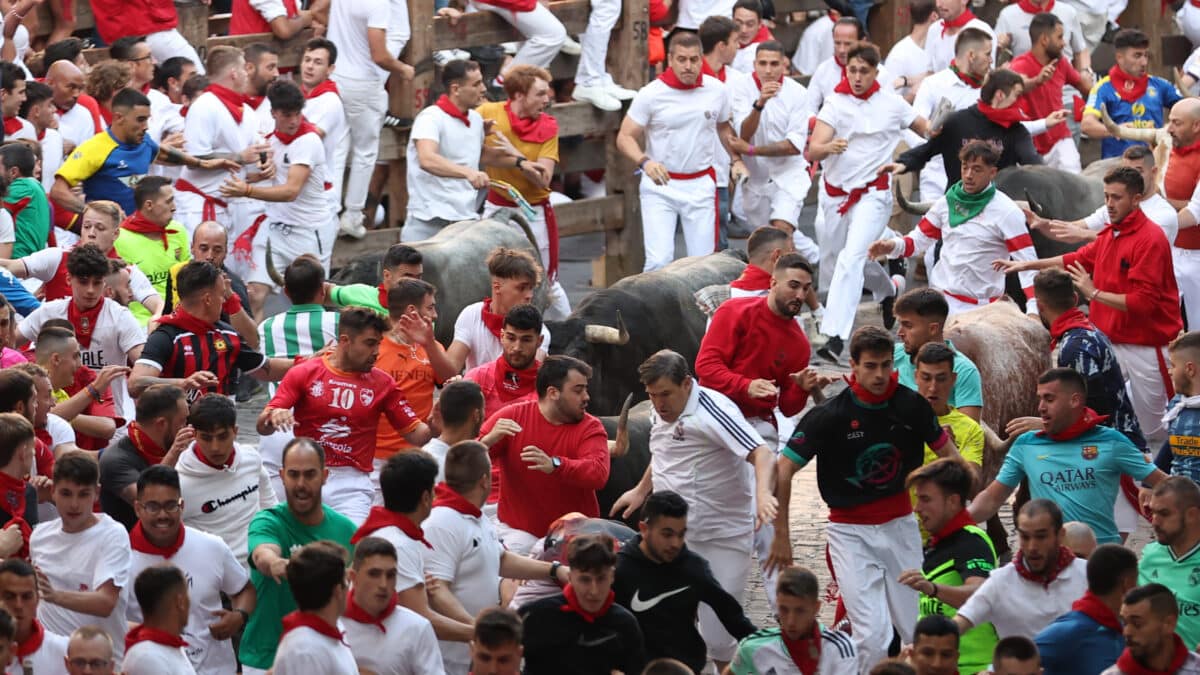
x: 574, y: 606
x: 1028, y: 7
x: 106, y: 115
x: 1060, y: 563
x: 306, y: 127
x: 1131, y: 666
x: 670, y: 79
x: 706, y: 69
x: 183, y: 320
x: 844, y: 87
x: 84, y: 321
x: 323, y: 88
x: 255, y: 101
x: 144, y: 633
x: 383, y: 296
x: 1068, y: 320
x: 452, y: 110
x: 762, y: 35
x: 184, y: 111
x: 444, y: 496
x: 753, y: 279
x: 12, y: 495
x: 1187, y: 149
x: 961, y: 21
x: 1128, y: 88
x: 805, y: 652
x: 33, y: 642
x: 139, y: 542
x: 494, y: 322
x: 145, y: 88
x: 967, y: 78
x: 1092, y: 607
x: 142, y: 225
x: 537, y: 129
x: 513, y: 384
x: 12, y: 125
x: 147, y: 447
x: 958, y: 522
x: 356, y: 613
x: 1005, y: 117
x: 873, y: 399
x: 228, y: 463
x: 1079, y: 427
x: 379, y: 518
x: 300, y: 619
x: 758, y: 82
x: 232, y: 100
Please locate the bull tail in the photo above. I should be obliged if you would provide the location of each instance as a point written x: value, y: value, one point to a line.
x: 509, y: 215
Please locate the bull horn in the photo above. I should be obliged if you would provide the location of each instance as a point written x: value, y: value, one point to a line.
x: 607, y: 335
x: 915, y: 208
x: 620, y: 445
x: 271, y: 271
x: 1037, y: 208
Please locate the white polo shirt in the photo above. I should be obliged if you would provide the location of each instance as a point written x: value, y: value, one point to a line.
x: 77, y: 124
x: 348, y: 25
x: 304, y: 651
x: 1015, y: 21
x: 872, y: 129
x: 410, y: 557
x: 210, y: 569
x: 940, y: 47
x: 48, y: 658
x: 313, y: 200
x: 702, y: 456
x: 944, y: 84
x: 1016, y: 606
x: 329, y: 115
x: 485, y: 346
x: 829, y: 73
x: 431, y: 196
x: 407, y: 646
x: 1156, y: 208
x: 151, y: 658
x: 209, y: 127
x: 466, y: 554
x: 782, y: 118
x: 222, y: 502
x: 83, y: 561
x: 681, y: 124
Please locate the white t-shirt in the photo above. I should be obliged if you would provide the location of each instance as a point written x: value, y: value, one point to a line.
x: 21, y: 44
x: 816, y: 45
x: 304, y: 651
x: 209, y: 128
x: 702, y: 456
x: 410, y: 557
x: 408, y: 647
x: 165, y: 119
x: 485, y: 346
x: 348, y: 25
x: 77, y: 124
x: 1019, y: 607
x: 437, y: 448
x: 907, y: 59
x: 943, y: 84
x: 266, y: 123
x: 269, y: 10
x: 681, y: 124
x: 116, y: 333
x: 8, y: 230
x: 940, y: 47
x: 721, y: 161
x: 61, y: 432
x: 48, y: 658
x: 210, y: 569
x: 782, y: 118
x: 304, y: 210
x: 83, y: 561
x: 52, y: 157
x: 872, y: 129
x: 151, y: 658
x: 45, y: 264
x: 329, y: 115
x: 398, y: 30
x: 466, y: 554
x: 828, y: 75
x: 693, y: 12
x: 1015, y: 21
x: 431, y: 196
x: 222, y: 502
x: 26, y: 132
x: 1156, y: 209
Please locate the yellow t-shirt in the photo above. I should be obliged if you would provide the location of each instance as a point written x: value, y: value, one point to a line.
x: 533, y: 151
x: 968, y: 436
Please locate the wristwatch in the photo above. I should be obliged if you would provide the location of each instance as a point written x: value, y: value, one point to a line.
x: 554, y: 569
x: 555, y: 462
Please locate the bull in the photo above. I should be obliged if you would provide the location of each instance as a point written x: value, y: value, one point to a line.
x: 651, y: 311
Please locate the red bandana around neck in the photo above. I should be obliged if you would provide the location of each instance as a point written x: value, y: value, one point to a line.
x: 706, y: 69
x: 182, y: 320
x: 1079, y: 427
x: 356, y: 613
x: 300, y: 619
x: 805, y: 652
x: 232, y: 100
x: 444, y: 496
x: 574, y: 606
x: 1186, y: 150
x: 144, y: 633
x: 752, y: 279
x: 84, y: 321
x: 139, y: 542
x: 494, y: 322
x: 958, y: 522
x: 255, y: 101
x: 142, y: 225
x: 762, y: 35
x: 304, y: 128
x: 1094, y: 608
x: 670, y: 79
x: 452, y: 110
x: 323, y: 88
x: 12, y: 125
x: 1129, y: 88
x: 1131, y: 666
x: 513, y: 384
x: 147, y: 447
x: 204, y: 460
x: 959, y: 22
x: 383, y: 296
x: 379, y: 518
x: 1068, y: 320
x: 967, y: 78
x: 33, y: 642
x: 537, y: 129
x: 867, y: 397
x: 758, y: 83
x: 843, y: 87
x: 1005, y: 117
x: 1028, y: 7
x: 1060, y: 563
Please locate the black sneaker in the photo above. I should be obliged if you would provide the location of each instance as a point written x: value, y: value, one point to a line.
x: 831, y: 350
x: 391, y: 121
x: 887, y: 307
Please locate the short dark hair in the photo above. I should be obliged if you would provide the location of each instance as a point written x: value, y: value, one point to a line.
x: 952, y: 476
x: 853, y: 22
x: 1002, y: 80
x: 1055, y: 289
x: 592, y: 552
x: 87, y: 262
x: 1130, y: 37
x: 355, y: 321
x: 663, y: 503
x: 970, y: 38
x: 158, y: 400
x: 67, y: 49
x: 981, y: 150
x: 315, y: 572
x: 17, y: 155
x: 1128, y: 176
x: 408, y: 292
x: 401, y: 254
x: 715, y: 30
x: 870, y: 339
x: 1162, y: 600
x: 302, y: 441
x: 195, y: 86
x: 304, y: 279
x: 769, y: 46
x: 1185, y: 490
x: 1107, y: 565
x: 322, y: 43
x: 458, y: 400
x: 454, y: 72
x: 1068, y: 377
x: 864, y: 51
x: 919, y: 11
x: 129, y: 98
x: 794, y: 261
x: 213, y: 412
x: 256, y: 50
x: 285, y: 96
x: 524, y: 317
x: 511, y: 263
x: 934, y: 353
x: 18, y: 567
x: 147, y: 189
x: 10, y: 73
x: 35, y: 93
x: 1016, y: 647
x: 664, y: 363
x: 936, y: 625
x: 15, y: 430
x: 1043, y: 23
x: 1141, y: 153
x: 797, y: 582
x: 156, y: 585
x: 765, y: 239
x: 404, y: 478
x: 554, y: 371
x: 752, y: 5
x: 15, y: 387
x: 895, y: 666
x: 195, y: 277
x: 76, y: 467
x: 373, y: 546
x: 170, y: 69
x: 928, y: 303
x: 1035, y: 507
x: 157, y: 474
x: 496, y: 627
x: 466, y: 463
x: 121, y: 49
x: 684, y: 40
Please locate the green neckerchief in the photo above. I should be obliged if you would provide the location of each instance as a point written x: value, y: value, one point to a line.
x: 964, y: 205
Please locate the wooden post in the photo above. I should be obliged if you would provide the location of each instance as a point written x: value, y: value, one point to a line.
x: 406, y: 99
x: 193, y: 23
x: 1149, y: 17
x: 890, y: 22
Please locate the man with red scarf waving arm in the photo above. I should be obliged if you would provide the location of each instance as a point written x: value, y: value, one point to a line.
x: 1149, y: 614
x: 866, y: 440
x: 857, y: 130
x: 1132, y: 96
x: 956, y: 16
x: 157, y: 646
x: 311, y: 641
x: 477, y: 329
x: 679, y: 118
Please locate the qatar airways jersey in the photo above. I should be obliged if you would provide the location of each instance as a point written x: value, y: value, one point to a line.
x: 341, y: 409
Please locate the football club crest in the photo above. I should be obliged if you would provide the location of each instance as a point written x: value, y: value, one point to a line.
x: 1090, y: 452
x: 1194, y: 577
x: 677, y: 434
x: 219, y: 344
x: 366, y: 396
x: 85, y: 323
x: 317, y: 389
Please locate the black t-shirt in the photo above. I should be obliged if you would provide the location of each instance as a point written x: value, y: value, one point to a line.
x: 221, y: 351
x: 864, y: 451
x: 964, y: 554
x: 558, y: 641
x: 120, y: 466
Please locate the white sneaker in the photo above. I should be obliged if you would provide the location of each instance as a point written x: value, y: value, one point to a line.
x: 351, y: 224
x: 597, y: 96
x: 444, y: 56
x: 570, y: 47
x: 618, y: 92
x: 510, y: 48
x: 900, y: 283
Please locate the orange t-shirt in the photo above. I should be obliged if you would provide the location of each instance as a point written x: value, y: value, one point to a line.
x: 409, y: 366
x: 533, y: 194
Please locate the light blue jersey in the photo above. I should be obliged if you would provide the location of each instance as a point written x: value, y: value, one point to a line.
x: 967, y: 391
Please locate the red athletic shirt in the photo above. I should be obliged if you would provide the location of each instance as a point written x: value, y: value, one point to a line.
x: 1133, y: 258
x: 1183, y: 172
x: 341, y: 410
x: 1046, y: 97
x: 747, y: 341
x: 495, y: 394
x: 531, y: 500
x: 120, y: 18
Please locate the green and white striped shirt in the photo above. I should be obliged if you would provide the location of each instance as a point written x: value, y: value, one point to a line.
x: 300, y: 331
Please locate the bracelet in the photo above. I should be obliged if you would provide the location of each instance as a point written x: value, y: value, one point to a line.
x: 642, y: 164
x: 249, y: 191
x: 554, y: 569
x: 933, y: 592
x: 750, y: 151
x: 758, y: 106
x: 94, y: 393
x: 1095, y: 293
x: 905, y: 81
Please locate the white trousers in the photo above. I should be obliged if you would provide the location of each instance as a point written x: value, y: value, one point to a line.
x: 349, y: 492
x: 560, y: 306
x: 693, y: 203
x: 1147, y: 382
x: 289, y: 242
x: 365, y: 104
x: 868, y: 560
x: 765, y: 202
x: 544, y: 34
x: 1189, y: 22
x: 593, y: 42
x: 167, y: 43
x: 517, y: 541
x: 730, y: 563
x: 1187, y: 276
x: 270, y: 447
x: 844, y: 240
x: 764, y: 535
x: 1064, y: 155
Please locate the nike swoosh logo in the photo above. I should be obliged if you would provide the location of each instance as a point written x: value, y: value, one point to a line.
x: 597, y: 642
x: 638, y: 605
